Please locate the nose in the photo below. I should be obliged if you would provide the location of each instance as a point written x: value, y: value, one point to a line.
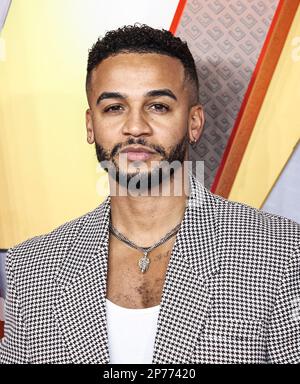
x: 136, y: 124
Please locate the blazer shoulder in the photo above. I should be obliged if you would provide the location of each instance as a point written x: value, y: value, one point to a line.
x: 259, y: 213
x: 54, y: 243
x: 255, y: 221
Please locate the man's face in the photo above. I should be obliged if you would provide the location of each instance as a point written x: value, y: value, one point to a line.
x: 139, y: 100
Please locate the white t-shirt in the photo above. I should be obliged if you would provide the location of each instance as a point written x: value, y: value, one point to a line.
x: 131, y: 333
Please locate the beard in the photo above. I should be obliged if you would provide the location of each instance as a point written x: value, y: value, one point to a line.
x: 143, y: 180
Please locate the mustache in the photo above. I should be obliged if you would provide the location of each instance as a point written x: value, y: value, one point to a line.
x: 118, y: 147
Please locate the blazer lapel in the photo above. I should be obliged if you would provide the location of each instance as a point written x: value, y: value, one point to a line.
x: 81, y: 306
x: 186, y: 295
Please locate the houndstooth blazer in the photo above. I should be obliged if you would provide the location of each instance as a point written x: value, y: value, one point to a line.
x: 231, y: 293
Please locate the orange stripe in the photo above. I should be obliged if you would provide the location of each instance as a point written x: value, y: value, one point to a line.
x: 254, y: 96
x: 177, y: 16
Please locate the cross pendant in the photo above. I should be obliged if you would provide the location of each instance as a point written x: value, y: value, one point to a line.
x: 144, y: 262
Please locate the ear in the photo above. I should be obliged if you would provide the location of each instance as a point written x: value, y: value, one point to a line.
x: 196, y: 123
x: 89, y: 126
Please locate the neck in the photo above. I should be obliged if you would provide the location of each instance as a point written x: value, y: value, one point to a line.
x: 145, y: 219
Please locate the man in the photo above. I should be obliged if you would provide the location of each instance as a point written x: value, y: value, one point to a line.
x: 149, y: 276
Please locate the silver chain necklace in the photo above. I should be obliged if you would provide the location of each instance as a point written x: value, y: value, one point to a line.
x: 144, y: 260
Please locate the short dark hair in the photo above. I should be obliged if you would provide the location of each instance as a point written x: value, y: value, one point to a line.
x: 140, y: 38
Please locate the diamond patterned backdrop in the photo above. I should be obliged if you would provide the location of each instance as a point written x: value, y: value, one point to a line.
x: 226, y: 38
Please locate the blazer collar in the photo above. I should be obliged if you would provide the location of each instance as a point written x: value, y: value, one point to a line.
x: 196, y: 239
x: 81, y: 307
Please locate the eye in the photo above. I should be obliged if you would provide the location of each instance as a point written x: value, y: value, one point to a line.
x: 158, y: 107
x: 113, y: 108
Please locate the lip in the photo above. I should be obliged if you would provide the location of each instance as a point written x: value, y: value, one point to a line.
x: 137, y: 153
x: 137, y: 149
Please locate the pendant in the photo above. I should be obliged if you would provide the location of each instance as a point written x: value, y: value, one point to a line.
x: 144, y: 263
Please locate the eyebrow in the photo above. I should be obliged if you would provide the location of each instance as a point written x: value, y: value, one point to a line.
x: 161, y: 92
x: 122, y: 96
x: 110, y: 95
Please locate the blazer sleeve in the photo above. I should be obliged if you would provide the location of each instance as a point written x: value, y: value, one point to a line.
x: 13, y: 345
x: 284, y: 328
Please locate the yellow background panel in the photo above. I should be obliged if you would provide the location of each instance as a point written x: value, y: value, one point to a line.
x: 277, y: 128
x: 47, y: 170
